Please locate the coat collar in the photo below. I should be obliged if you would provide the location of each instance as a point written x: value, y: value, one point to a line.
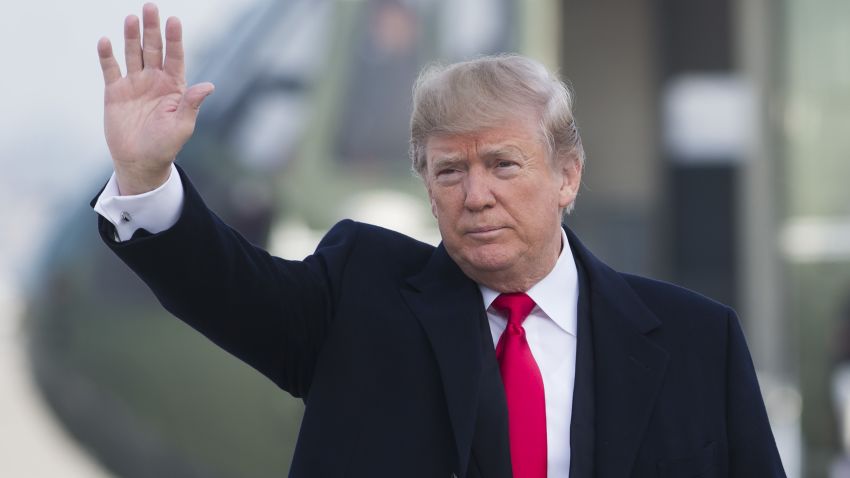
x: 628, y: 367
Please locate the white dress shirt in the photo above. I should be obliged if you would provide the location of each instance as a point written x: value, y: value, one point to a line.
x: 551, y: 330
x: 551, y: 327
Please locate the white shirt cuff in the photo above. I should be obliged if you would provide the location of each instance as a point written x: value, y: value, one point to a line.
x: 154, y: 211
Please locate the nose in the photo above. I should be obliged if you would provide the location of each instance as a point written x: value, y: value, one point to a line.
x: 478, y: 193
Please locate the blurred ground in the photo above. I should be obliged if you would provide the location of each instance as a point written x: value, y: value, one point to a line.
x: 32, y: 443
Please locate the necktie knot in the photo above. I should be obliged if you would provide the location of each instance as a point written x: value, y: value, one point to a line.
x: 517, y: 304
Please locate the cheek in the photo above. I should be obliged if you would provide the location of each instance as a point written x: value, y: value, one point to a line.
x: 444, y: 202
x: 535, y: 211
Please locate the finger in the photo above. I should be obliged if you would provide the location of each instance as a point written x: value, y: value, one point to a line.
x: 191, y: 102
x: 152, y: 41
x: 111, y: 70
x: 174, y: 63
x: 132, y: 45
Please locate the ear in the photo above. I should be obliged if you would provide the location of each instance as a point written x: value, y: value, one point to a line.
x: 570, y: 170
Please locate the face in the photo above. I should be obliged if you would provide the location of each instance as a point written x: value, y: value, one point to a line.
x: 498, y: 199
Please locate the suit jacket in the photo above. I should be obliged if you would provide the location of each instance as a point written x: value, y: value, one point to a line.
x: 386, y: 340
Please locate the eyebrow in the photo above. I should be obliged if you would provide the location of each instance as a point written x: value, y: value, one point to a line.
x: 445, y: 160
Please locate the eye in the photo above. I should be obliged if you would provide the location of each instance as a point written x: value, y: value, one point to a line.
x: 507, y: 165
x: 447, y: 176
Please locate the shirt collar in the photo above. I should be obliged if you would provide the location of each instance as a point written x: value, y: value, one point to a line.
x: 556, y: 294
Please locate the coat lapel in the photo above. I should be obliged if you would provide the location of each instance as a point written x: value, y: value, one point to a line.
x: 583, y: 422
x: 628, y: 367
x: 449, y: 307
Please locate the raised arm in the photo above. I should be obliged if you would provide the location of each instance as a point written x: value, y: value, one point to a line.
x: 149, y: 113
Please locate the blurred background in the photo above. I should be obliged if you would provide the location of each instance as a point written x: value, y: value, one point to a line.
x: 718, y: 158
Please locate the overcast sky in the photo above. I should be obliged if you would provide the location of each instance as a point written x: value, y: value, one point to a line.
x: 51, y: 86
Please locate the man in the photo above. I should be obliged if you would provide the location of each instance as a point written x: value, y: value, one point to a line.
x: 509, y: 350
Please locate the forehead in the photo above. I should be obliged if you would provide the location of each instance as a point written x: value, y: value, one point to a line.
x: 513, y: 135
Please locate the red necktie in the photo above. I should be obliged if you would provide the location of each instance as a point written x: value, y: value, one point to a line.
x: 523, y: 390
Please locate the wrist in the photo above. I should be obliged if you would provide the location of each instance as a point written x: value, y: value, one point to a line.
x: 132, y: 181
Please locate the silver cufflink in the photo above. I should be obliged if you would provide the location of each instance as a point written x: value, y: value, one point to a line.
x: 126, y: 217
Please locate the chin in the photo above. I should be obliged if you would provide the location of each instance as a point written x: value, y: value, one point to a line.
x: 489, y: 258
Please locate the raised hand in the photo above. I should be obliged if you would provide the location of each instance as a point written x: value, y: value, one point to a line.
x: 149, y: 113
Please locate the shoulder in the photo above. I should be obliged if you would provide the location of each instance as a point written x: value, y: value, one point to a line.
x: 687, y: 317
x: 657, y: 294
x: 675, y: 307
x: 368, y: 236
x: 375, y: 247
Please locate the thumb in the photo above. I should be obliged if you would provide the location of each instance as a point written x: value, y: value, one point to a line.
x: 192, y: 99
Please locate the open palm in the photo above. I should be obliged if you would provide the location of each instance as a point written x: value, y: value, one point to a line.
x: 149, y: 113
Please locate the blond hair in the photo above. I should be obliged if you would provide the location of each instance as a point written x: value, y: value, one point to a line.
x: 473, y: 95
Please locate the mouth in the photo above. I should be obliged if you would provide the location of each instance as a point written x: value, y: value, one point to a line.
x: 484, y: 232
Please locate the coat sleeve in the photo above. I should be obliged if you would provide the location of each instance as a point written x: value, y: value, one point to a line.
x: 272, y: 313
x: 752, y: 448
